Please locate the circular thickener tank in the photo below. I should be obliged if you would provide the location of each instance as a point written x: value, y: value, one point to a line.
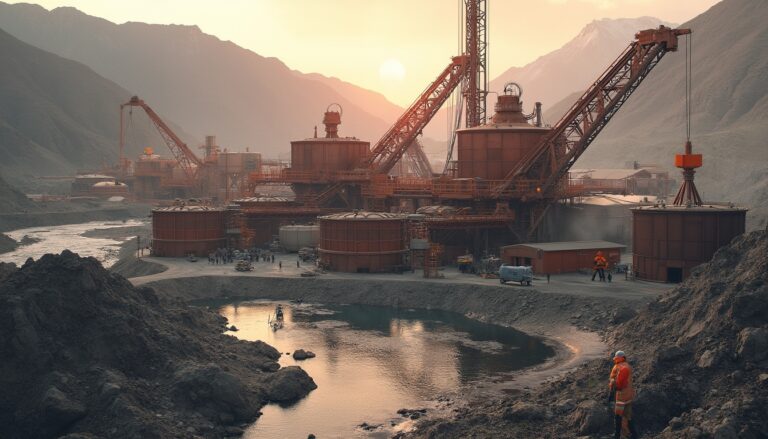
x: 667, y: 242
x: 362, y: 242
x: 490, y: 151
x: 294, y: 237
x: 182, y: 230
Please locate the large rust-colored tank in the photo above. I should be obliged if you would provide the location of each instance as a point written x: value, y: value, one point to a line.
x: 668, y: 241
x: 363, y: 242
x: 330, y: 153
x: 182, y: 230
x: 490, y: 151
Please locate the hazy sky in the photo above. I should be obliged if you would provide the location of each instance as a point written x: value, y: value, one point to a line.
x: 395, y: 47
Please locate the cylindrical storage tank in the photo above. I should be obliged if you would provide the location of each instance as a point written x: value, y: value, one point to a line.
x: 668, y: 241
x: 326, y: 154
x: 295, y: 237
x: 108, y: 189
x: 182, y: 230
x: 490, y: 151
x: 363, y: 242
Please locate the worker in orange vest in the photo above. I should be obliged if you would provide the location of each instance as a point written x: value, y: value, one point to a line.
x: 600, y: 265
x: 621, y: 382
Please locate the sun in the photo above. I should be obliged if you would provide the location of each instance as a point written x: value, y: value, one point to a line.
x: 392, y: 70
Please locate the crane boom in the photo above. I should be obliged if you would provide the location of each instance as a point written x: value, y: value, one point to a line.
x: 391, y: 147
x: 419, y: 160
x: 549, y: 162
x: 187, y: 160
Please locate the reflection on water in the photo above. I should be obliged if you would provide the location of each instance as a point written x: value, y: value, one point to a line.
x: 55, y: 239
x: 372, y: 361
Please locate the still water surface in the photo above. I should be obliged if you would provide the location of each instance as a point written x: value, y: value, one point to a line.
x: 372, y: 361
x: 55, y: 239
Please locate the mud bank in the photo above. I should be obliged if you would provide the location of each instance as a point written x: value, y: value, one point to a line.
x: 699, y: 358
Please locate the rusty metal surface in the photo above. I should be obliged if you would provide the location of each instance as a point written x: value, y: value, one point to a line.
x: 375, y: 242
x: 179, y: 231
x: 677, y: 238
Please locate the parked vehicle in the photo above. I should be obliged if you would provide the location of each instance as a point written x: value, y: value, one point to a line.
x: 510, y: 273
x: 243, y: 265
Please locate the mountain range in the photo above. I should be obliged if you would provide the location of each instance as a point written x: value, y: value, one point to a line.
x: 56, y: 115
x: 206, y: 85
x: 556, y: 75
x: 729, y: 109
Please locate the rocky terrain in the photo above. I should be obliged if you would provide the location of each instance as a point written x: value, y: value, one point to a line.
x: 700, y: 356
x: 86, y: 354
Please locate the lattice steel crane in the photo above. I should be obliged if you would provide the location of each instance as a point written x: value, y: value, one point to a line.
x: 187, y: 159
x: 540, y: 174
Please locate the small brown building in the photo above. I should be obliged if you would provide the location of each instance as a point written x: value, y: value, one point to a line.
x: 561, y: 257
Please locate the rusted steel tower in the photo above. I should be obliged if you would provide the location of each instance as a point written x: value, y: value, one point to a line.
x: 476, y: 45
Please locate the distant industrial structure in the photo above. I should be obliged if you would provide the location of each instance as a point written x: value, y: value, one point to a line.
x: 508, y: 180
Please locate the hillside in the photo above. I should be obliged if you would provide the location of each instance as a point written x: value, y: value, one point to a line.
x: 207, y: 85
x: 56, y: 115
x: 554, y: 76
x: 11, y: 199
x: 729, y: 108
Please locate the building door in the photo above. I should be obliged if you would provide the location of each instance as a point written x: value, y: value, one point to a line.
x: 674, y: 274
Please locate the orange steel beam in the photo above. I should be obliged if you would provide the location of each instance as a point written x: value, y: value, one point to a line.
x: 550, y: 161
x: 391, y: 147
x: 187, y: 159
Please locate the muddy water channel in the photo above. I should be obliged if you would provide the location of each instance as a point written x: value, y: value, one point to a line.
x: 37, y: 241
x: 372, y: 361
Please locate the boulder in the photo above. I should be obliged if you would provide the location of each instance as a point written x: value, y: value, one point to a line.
x: 58, y: 411
x: 521, y: 410
x: 589, y: 417
x: 289, y: 384
x: 214, y: 393
x: 753, y: 344
x: 301, y: 354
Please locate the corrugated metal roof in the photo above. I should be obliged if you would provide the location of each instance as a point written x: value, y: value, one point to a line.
x: 569, y: 245
x: 191, y: 208
x: 606, y: 174
x: 264, y: 199
x: 362, y: 215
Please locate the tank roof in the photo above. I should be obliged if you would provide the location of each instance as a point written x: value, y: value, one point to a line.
x: 263, y: 199
x: 108, y: 184
x: 363, y: 216
x: 193, y: 208
x: 88, y: 176
x: 704, y: 208
x: 330, y: 140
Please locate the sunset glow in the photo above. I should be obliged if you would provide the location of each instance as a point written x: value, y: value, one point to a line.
x: 350, y: 39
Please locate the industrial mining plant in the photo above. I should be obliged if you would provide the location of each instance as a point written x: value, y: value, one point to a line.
x: 244, y: 249
x: 507, y: 183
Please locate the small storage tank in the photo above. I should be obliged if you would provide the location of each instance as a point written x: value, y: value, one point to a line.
x: 490, y: 151
x: 668, y: 241
x: 83, y: 184
x: 106, y: 189
x: 330, y: 153
x: 363, y: 242
x: 295, y: 237
x: 182, y: 230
